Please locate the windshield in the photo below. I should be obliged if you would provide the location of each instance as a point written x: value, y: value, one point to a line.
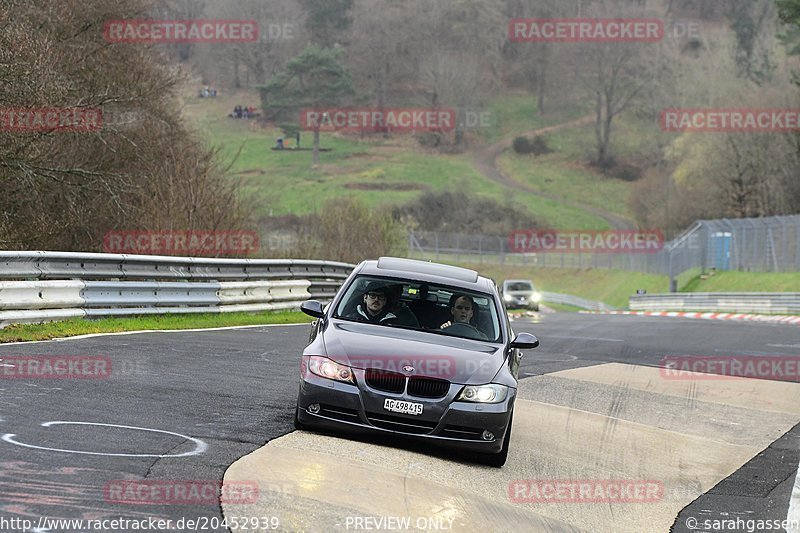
x: 430, y: 307
x: 519, y: 286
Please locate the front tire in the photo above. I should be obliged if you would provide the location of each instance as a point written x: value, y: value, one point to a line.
x: 297, y: 424
x: 499, y: 459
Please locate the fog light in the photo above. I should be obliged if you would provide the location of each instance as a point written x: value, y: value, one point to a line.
x: 487, y: 435
x: 313, y: 408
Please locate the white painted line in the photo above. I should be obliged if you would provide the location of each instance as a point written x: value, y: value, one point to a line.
x: 793, y: 514
x: 551, y: 360
x: 582, y: 338
x: 200, y: 446
x: 785, y: 345
x: 111, y: 334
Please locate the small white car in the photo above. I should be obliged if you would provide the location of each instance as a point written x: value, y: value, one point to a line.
x: 520, y: 293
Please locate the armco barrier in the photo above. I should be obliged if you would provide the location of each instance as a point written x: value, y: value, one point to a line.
x: 734, y: 302
x: 67, y: 265
x: 41, y: 294
x: 574, y: 301
x: 58, y: 285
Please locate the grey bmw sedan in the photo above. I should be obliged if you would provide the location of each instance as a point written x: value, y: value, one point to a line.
x: 420, y: 349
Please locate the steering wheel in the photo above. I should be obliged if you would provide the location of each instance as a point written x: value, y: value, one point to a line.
x: 465, y: 329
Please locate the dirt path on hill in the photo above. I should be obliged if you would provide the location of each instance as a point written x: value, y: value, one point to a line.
x: 485, y: 162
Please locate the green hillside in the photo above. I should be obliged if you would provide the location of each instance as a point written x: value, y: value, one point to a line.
x: 387, y: 172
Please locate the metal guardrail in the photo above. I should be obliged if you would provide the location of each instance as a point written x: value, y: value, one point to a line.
x: 735, y: 302
x: 574, y: 301
x: 50, y: 286
x: 68, y: 265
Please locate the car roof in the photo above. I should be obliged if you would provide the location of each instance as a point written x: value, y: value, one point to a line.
x: 518, y: 281
x: 399, y: 267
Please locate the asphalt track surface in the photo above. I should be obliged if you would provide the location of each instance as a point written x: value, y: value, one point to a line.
x: 182, y: 407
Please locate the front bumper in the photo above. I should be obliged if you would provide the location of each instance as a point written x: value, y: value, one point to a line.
x: 522, y: 303
x: 359, y: 409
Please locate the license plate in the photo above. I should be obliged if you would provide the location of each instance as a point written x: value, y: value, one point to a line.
x: 400, y: 406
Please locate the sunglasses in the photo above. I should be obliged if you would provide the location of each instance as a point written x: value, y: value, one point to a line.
x: 376, y: 295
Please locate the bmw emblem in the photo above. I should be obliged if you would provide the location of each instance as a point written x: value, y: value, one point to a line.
x: 408, y: 368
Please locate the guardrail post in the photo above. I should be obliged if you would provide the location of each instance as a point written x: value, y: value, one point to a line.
x: 673, y: 283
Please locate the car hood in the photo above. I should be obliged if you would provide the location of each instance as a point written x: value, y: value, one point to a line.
x: 431, y: 355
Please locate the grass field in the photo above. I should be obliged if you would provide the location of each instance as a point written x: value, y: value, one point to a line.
x: 516, y: 113
x: 383, y: 172
x: 80, y: 326
x: 565, y: 173
x: 614, y: 287
x: 387, y: 172
x: 730, y: 281
x: 555, y: 175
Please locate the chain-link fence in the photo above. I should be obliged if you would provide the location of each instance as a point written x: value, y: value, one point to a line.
x: 770, y: 244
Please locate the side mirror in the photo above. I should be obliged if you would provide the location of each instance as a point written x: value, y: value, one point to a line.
x: 312, y: 308
x: 525, y: 341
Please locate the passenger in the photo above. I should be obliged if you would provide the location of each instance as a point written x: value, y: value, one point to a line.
x: 374, y: 308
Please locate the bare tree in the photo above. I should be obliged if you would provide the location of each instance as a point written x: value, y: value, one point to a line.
x: 380, y: 53
x: 179, y: 10
x: 455, y: 80
x: 64, y: 190
x: 282, y: 35
x: 614, y: 74
x: 537, y: 59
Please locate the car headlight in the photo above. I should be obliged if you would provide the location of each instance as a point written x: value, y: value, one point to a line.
x: 536, y: 297
x: 491, y: 393
x: 329, y: 369
x: 508, y: 297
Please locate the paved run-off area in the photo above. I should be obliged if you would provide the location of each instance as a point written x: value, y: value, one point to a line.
x: 672, y: 439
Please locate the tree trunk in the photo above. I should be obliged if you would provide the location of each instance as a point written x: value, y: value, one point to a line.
x: 540, y: 84
x: 541, y: 80
x: 315, y: 156
x: 458, y: 133
x: 598, y: 127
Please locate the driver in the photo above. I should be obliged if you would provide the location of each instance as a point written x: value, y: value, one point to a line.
x: 462, y: 308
